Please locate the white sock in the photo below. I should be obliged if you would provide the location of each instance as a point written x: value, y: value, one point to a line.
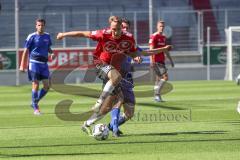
x: 107, y: 90
x: 156, y: 89
x: 160, y: 84
x: 94, y: 118
x: 109, y: 87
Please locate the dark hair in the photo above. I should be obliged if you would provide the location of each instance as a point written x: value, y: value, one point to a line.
x: 41, y: 20
x: 161, y: 21
x: 125, y: 20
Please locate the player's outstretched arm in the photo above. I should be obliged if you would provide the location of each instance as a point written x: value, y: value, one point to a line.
x: 23, y: 64
x: 62, y: 35
x: 151, y: 51
x: 156, y: 50
x: 170, y: 58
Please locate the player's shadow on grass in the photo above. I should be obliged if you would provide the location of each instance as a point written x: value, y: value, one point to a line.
x: 233, y: 122
x: 178, y: 133
x: 128, y: 142
x: 160, y: 106
x: 49, y: 154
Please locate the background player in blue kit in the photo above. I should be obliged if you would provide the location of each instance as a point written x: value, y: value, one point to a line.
x: 38, y: 45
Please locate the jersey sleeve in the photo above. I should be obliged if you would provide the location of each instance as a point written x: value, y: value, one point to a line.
x: 50, y: 42
x: 151, y: 40
x: 96, y: 35
x: 139, y: 49
x: 28, y: 42
x: 134, y: 47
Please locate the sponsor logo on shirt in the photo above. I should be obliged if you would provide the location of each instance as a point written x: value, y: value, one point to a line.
x: 113, y: 47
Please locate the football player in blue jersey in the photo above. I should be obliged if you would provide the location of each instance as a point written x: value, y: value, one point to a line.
x: 37, y: 47
x: 127, y: 90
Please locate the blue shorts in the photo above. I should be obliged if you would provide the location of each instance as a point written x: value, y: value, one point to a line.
x: 128, y: 95
x: 127, y: 90
x: 38, y: 71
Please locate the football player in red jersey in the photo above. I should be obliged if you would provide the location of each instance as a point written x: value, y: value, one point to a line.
x: 158, y: 40
x: 114, y: 43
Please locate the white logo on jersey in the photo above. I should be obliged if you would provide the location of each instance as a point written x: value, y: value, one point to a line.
x: 161, y: 41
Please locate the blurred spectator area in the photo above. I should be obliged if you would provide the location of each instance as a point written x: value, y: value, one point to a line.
x: 187, y: 19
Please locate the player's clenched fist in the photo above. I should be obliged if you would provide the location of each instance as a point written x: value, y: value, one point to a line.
x: 169, y: 47
x: 60, y: 36
x: 22, y: 69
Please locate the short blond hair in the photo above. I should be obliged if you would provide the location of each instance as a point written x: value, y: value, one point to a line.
x: 114, y: 18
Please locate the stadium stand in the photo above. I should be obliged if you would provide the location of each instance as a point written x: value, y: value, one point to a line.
x: 184, y: 26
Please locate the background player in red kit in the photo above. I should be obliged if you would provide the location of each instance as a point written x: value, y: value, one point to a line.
x: 158, y: 40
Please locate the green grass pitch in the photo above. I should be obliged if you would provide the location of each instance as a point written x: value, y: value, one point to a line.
x: 198, y: 121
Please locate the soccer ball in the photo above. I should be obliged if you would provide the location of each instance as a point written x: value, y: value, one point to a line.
x: 100, y: 132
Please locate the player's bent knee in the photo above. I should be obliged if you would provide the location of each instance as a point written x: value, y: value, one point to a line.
x: 116, y: 80
x: 115, y: 77
x: 107, y: 104
x: 35, y: 85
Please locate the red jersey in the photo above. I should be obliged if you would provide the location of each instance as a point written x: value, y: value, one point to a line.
x: 109, y: 46
x: 97, y: 52
x: 157, y: 40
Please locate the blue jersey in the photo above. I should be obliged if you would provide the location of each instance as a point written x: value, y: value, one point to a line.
x: 126, y: 66
x: 126, y: 63
x: 38, y: 46
x: 139, y: 50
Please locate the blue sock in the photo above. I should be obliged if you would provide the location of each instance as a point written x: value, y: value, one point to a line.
x: 114, y: 121
x: 121, y: 120
x: 34, y: 99
x: 41, y: 94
